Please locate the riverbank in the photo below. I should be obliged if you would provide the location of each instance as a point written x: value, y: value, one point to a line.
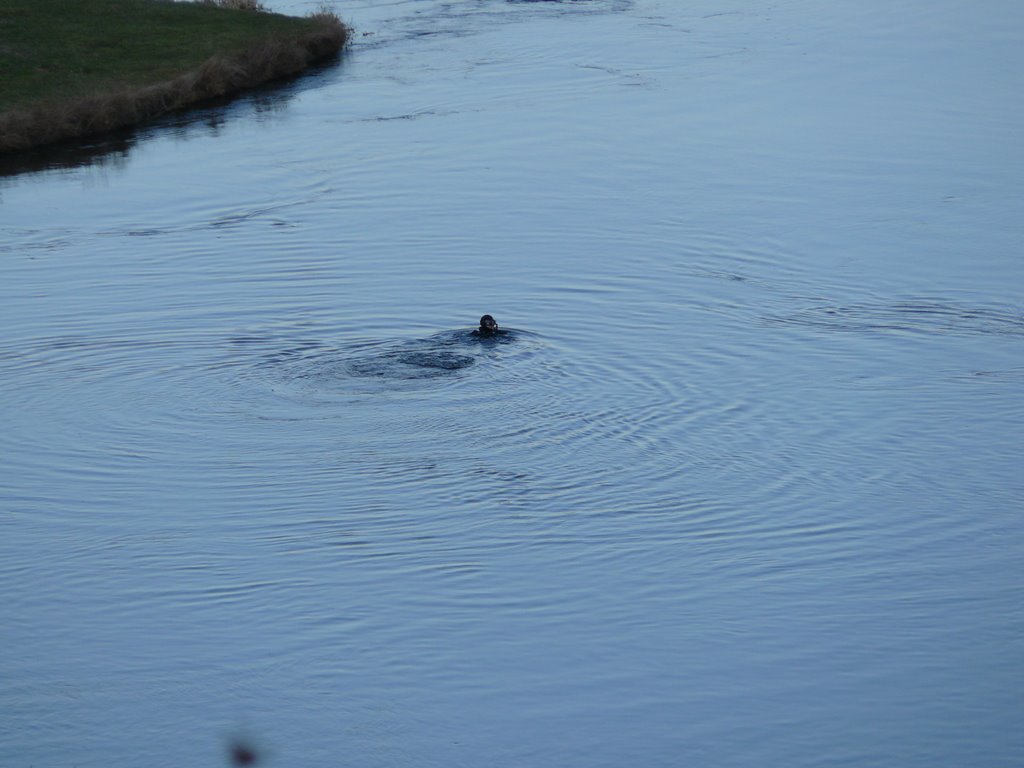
x: 80, y: 67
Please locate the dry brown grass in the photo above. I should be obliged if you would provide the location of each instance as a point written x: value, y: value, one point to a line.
x: 270, y: 59
x: 237, y: 5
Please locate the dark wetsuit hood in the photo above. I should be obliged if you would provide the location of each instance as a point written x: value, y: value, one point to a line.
x: 487, y: 325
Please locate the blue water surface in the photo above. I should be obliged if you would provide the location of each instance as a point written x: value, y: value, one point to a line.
x: 741, y: 486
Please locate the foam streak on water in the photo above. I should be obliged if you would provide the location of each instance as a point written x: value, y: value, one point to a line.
x: 739, y: 487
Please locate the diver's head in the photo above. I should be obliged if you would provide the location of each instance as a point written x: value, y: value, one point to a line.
x: 487, y: 325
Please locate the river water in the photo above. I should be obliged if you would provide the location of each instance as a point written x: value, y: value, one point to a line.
x: 740, y: 486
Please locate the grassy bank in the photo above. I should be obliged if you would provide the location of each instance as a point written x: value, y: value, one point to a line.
x: 76, y: 67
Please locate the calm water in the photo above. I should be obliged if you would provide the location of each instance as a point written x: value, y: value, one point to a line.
x: 742, y: 486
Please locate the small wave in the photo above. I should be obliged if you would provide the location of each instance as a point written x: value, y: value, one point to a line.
x: 410, y: 365
x: 1004, y: 376
x: 456, y: 20
x: 601, y: 6
x: 920, y: 316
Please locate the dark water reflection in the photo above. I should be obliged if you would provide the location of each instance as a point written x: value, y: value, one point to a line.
x: 740, y: 487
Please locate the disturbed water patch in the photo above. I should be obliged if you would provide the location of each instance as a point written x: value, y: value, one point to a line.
x: 391, y: 365
x: 411, y: 365
x: 459, y: 20
x: 918, y: 316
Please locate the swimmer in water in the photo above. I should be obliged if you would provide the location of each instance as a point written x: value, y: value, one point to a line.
x: 487, y: 326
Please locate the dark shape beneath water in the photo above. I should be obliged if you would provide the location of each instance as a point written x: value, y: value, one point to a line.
x: 442, y: 354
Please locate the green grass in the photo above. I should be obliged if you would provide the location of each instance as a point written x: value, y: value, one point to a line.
x: 53, y: 50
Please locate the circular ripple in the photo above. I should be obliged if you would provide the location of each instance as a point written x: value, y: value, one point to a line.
x: 314, y: 367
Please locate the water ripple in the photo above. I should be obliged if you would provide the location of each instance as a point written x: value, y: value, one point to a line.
x: 914, y: 315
